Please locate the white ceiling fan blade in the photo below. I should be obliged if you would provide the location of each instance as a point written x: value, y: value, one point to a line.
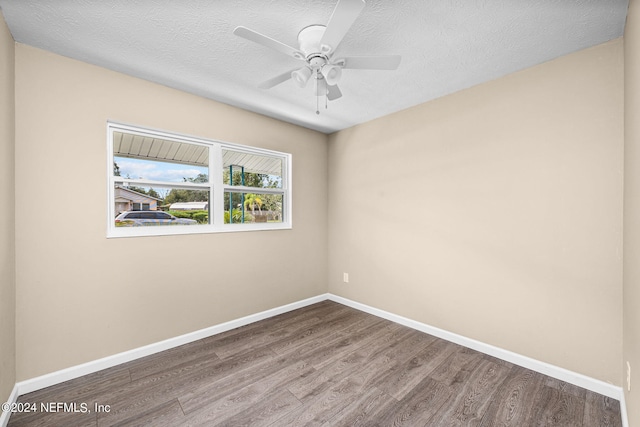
x: 274, y: 81
x: 384, y: 62
x: 333, y: 92
x: 256, y: 37
x: 342, y: 18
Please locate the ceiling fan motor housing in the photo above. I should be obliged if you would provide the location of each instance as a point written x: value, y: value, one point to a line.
x: 309, y: 41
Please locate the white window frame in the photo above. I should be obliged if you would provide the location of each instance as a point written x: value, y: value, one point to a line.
x: 215, y: 186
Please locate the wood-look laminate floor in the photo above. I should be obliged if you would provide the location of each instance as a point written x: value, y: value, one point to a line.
x: 323, y: 365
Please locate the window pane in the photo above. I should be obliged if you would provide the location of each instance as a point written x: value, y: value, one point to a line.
x: 142, y: 206
x: 252, y: 208
x: 251, y: 170
x: 146, y: 157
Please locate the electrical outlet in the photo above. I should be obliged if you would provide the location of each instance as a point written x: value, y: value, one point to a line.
x: 628, y: 376
x: 345, y: 277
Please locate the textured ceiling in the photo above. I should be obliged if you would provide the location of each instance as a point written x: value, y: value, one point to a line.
x: 189, y: 45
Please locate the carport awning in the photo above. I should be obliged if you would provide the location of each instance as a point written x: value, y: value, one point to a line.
x: 164, y: 150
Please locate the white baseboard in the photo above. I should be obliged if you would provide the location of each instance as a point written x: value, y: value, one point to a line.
x: 562, y: 374
x: 63, y: 375
x: 623, y: 411
x: 4, y: 416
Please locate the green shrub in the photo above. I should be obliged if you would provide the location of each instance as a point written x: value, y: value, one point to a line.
x: 181, y: 214
x: 201, y: 216
x: 237, y: 216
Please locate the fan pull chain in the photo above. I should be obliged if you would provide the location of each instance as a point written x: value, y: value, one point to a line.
x: 317, y: 102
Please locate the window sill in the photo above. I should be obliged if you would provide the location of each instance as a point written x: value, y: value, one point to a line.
x: 177, y: 230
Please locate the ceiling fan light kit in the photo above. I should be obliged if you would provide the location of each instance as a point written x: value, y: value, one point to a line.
x: 331, y: 73
x: 317, y: 44
x: 301, y: 76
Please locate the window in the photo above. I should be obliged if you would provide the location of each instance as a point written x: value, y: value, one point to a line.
x: 141, y: 206
x: 161, y: 183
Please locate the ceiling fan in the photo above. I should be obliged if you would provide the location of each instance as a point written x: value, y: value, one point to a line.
x: 317, y: 45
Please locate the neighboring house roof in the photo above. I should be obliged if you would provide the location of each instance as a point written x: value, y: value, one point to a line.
x: 127, y: 194
x: 189, y: 206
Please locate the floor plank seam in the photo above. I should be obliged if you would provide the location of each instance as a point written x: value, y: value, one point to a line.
x: 181, y: 407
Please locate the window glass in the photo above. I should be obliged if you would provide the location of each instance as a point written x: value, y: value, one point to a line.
x: 158, y: 159
x: 251, y: 208
x: 251, y: 170
x: 179, y: 202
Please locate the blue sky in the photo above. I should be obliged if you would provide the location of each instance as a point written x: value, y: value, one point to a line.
x: 157, y: 171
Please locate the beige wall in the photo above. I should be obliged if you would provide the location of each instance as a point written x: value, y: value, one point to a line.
x: 7, y: 224
x: 81, y: 296
x: 632, y: 210
x: 494, y: 213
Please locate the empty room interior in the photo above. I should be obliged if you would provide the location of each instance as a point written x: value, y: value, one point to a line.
x: 470, y: 170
